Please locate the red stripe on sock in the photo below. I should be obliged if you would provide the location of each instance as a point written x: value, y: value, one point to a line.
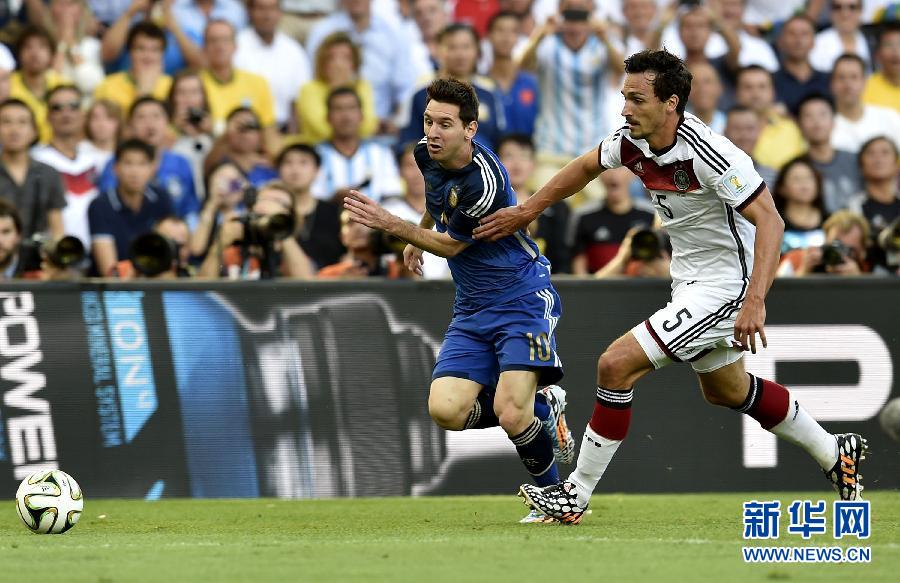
x: 610, y: 423
x: 772, y: 406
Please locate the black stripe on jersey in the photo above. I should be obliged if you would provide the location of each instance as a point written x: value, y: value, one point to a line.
x: 751, y: 198
x: 701, y: 153
x: 737, y: 238
x: 709, y: 321
x: 715, y: 154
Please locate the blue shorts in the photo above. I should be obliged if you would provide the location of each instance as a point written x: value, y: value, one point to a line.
x: 517, y: 335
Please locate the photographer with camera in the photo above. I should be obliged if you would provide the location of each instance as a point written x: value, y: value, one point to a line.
x: 10, y: 238
x: 369, y: 253
x: 162, y: 253
x: 644, y: 252
x: 844, y: 252
x: 242, y: 145
x: 887, y: 254
x: 259, y: 245
x: 191, y: 122
x: 38, y: 257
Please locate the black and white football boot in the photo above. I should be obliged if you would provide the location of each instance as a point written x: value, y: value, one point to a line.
x: 558, y: 501
x: 844, y: 476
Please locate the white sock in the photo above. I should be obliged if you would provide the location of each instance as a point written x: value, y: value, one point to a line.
x: 596, y: 453
x: 801, y: 429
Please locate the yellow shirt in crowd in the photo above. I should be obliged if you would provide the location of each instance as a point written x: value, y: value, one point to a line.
x: 312, y: 111
x: 37, y: 104
x: 120, y: 88
x: 244, y: 89
x: 779, y: 142
x: 880, y: 91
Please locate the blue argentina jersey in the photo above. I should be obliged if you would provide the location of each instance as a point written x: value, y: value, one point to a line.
x: 486, y: 274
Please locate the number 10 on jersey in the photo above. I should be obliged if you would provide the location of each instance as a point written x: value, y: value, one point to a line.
x: 538, y: 345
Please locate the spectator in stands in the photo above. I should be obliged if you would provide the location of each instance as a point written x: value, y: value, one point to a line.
x: 5, y: 82
x: 844, y: 252
x: 838, y: 168
x: 35, y: 77
x: 797, y: 78
x: 180, y: 48
x: 458, y: 60
x: 195, y: 15
x: 572, y: 60
x: 102, y: 130
x: 638, y: 32
x: 148, y: 121
x: 700, y: 28
x: 264, y: 50
x: 72, y: 157
x: 363, y: 257
x: 599, y: 229
x: 780, y: 138
x: 120, y: 214
x: 754, y: 50
x: 33, y: 187
x: 799, y: 199
x: 762, y: 14
x: 431, y: 18
x: 742, y: 127
x: 318, y: 221
x: 706, y: 89
x: 337, y: 64
x: 842, y: 37
x: 879, y: 164
x: 549, y: 231
x: 10, y: 239
x: 106, y: 12
x: 192, y: 122
x: 242, y: 144
x: 145, y: 45
x: 77, y: 54
x: 857, y: 122
x: 518, y: 89
x: 385, y: 65
x: 348, y: 161
x: 226, y: 188
x: 883, y: 87
x: 234, y: 257
x: 228, y: 88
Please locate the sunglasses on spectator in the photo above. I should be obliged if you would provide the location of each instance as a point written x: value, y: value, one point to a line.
x: 847, y: 7
x: 71, y: 106
x: 576, y: 15
x: 250, y: 126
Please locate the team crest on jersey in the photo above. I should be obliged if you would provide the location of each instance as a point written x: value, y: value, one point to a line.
x: 682, y: 180
x: 453, y: 199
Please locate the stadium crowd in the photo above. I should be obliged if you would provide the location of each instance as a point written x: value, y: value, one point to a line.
x: 216, y: 138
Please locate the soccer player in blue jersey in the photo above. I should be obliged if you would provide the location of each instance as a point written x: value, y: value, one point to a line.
x: 500, y: 344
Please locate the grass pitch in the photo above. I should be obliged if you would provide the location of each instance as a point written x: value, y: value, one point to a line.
x: 628, y: 538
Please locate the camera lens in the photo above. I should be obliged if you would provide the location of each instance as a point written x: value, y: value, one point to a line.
x: 645, y: 245
x: 152, y: 254
x: 66, y: 252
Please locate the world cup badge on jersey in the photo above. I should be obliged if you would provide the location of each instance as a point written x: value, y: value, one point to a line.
x: 682, y: 180
x: 453, y: 199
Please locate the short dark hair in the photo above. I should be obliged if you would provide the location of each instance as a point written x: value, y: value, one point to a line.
x: 14, y: 102
x: 148, y: 29
x: 738, y: 108
x: 142, y: 101
x: 455, y: 92
x: 502, y: 14
x: 523, y: 140
x: 61, y: 88
x: 849, y: 57
x: 752, y: 69
x: 455, y: 28
x: 135, y: 145
x: 672, y: 75
x: 337, y: 92
x: 814, y: 97
x: 870, y: 142
x: 300, y: 149
x: 802, y: 17
x: 884, y: 30
x: 242, y: 109
x: 33, y: 31
x: 8, y: 209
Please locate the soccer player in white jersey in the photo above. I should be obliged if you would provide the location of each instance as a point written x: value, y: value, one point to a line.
x: 726, y: 236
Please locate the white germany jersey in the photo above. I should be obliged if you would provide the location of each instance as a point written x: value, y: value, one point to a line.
x: 698, y: 185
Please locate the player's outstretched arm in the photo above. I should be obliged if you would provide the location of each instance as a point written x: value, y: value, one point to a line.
x: 366, y: 211
x: 767, y: 247
x: 570, y: 180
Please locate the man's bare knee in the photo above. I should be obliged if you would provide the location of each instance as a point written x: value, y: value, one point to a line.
x: 514, y: 420
x: 449, y: 415
x: 612, y: 370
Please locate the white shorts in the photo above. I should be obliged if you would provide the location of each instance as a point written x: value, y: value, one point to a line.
x: 697, y: 326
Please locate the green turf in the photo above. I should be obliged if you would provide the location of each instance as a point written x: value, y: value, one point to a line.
x: 628, y: 538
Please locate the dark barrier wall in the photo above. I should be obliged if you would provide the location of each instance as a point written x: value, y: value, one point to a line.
x: 313, y: 390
